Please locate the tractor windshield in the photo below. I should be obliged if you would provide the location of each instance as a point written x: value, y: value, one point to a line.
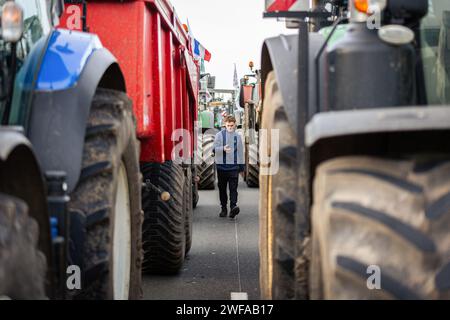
x: 37, y: 23
x: 435, y: 44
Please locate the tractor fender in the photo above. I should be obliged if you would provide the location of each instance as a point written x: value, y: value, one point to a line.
x: 281, y: 54
x: 20, y: 176
x: 329, y: 125
x: 378, y: 132
x: 74, y: 66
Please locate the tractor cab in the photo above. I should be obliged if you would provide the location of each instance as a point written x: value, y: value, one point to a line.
x: 250, y: 97
x: 24, y: 24
x: 249, y: 101
x: 249, y: 90
x: 435, y: 54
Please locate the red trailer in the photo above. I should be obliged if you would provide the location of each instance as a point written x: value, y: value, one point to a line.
x: 161, y: 78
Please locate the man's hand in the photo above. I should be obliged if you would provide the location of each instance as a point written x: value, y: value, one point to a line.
x: 227, y: 149
x: 242, y: 174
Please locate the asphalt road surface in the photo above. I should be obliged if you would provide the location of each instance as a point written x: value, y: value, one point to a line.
x: 224, y: 258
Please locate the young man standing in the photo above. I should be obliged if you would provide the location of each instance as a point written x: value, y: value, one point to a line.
x: 229, y: 156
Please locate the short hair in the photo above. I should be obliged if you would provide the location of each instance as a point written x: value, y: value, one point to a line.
x: 230, y: 119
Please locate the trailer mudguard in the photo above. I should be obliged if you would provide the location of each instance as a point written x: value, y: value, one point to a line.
x: 73, y: 66
x: 20, y: 176
x: 281, y: 54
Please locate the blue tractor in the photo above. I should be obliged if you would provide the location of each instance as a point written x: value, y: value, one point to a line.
x: 70, y: 203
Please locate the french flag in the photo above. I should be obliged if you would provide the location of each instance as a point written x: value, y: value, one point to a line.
x: 200, y: 51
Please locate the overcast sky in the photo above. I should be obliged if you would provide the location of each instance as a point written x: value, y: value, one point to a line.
x: 232, y: 30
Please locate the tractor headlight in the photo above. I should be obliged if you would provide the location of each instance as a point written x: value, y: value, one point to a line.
x: 12, y: 21
x: 360, y: 10
x: 370, y: 6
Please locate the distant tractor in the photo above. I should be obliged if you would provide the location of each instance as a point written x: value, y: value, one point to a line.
x: 361, y: 183
x: 205, y: 168
x: 70, y: 200
x: 206, y: 171
x: 249, y: 100
x: 162, y: 79
x: 211, y: 121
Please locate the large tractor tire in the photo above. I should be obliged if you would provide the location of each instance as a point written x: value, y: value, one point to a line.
x: 252, y: 167
x: 164, y: 230
x: 195, y: 195
x: 278, y: 262
x: 188, y: 209
x: 385, y: 218
x: 107, y: 202
x: 22, y: 265
x: 206, y: 169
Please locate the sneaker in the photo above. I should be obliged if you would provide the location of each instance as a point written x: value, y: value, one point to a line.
x: 234, y: 212
x: 223, y: 213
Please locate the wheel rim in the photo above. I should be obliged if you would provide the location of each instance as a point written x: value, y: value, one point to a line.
x: 122, y: 238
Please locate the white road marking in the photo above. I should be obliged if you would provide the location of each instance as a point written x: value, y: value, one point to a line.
x: 239, y: 296
x: 237, y: 254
